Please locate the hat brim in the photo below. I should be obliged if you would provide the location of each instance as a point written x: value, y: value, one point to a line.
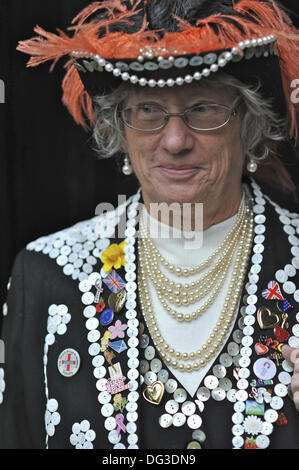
x: 248, y: 71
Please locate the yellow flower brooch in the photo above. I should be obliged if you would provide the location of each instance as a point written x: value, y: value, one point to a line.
x: 113, y: 257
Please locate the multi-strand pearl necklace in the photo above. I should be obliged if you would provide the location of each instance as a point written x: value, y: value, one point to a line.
x: 168, y: 292
x: 189, y: 361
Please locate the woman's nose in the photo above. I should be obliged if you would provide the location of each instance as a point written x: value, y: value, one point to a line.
x: 176, y: 137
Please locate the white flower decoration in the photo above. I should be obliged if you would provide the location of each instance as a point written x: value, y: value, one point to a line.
x: 252, y: 425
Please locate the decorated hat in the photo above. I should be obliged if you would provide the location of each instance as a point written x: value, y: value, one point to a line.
x: 168, y: 43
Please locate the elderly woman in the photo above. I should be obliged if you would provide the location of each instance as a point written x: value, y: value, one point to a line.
x: 170, y: 322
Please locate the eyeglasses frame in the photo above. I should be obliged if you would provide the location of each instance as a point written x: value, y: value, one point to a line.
x: 232, y: 113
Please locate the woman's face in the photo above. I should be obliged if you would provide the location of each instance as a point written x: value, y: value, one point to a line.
x: 178, y: 164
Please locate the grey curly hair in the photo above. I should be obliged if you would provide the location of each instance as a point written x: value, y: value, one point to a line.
x: 261, y: 126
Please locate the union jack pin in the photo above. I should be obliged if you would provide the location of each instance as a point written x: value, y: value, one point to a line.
x: 273, y: 292
x: 114, y: 281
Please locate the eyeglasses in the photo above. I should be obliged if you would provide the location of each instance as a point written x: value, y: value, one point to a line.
x: 201, y: 117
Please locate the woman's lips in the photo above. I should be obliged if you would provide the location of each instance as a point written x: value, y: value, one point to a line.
x: 180, y: 171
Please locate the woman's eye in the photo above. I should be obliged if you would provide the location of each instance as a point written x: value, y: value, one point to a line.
x: 202, y: 108
x: 148, y: 111
x: 147, y: 108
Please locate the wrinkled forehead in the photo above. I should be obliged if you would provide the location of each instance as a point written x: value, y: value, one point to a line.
x: 206, y: 89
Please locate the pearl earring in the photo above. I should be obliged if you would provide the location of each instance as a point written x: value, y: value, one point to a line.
x: 251, y: 166
x: 127, y: 168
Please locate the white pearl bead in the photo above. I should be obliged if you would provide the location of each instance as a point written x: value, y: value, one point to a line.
x: 206, y: 72
x: 188, y: 78
x: 161, y: 83
x: 222, y: 62
x: 152, y: 83
x: 133, y: 79
x: 179, y: 81
x: 142, y: 81
x: 109, y: 67
x: 197, y: 76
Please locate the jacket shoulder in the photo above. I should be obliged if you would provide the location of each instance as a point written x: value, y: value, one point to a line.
x: 90, y: 230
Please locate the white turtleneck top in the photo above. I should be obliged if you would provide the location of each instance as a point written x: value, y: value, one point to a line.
x: 188, y: 336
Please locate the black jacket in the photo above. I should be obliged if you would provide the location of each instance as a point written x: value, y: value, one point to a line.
x: 38, y: 282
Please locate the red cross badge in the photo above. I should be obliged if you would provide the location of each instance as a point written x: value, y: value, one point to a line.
x: 68, y: 362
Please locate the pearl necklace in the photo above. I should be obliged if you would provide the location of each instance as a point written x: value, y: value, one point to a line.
x: 200, y: 357
x: 169, y: 292
x: 210, y: 283
x: 222, y: 250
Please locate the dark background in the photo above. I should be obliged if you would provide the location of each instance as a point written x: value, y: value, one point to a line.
x: 49, y: 176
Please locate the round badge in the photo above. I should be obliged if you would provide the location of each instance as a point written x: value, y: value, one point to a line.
x: 68, y: 362
x: 264, y: 369
x: 106, y: 317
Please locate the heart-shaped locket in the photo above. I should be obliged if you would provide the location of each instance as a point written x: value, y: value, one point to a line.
x: 267, y: 319
x: 116, y: 301
x: 154, y: 393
